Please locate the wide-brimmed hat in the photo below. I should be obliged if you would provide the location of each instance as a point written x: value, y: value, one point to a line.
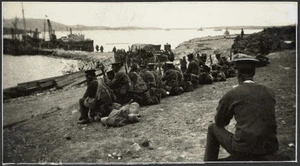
x: 243, y: 61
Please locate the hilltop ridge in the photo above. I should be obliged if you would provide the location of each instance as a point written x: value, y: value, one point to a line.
x: 32, y: 24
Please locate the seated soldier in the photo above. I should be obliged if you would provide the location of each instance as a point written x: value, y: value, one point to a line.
x: 228, y: 68
x: 109, y: 77
x: 187, y: 85
x: 120, y: 84
x: 218, y: 70
x: 157, y: 75
x: 97, y: 99
x: 170, y: 80
x: 253, y: 107
x: 205, y: 76
x: 140, y: 91
x: 193, y: 69
x: 183, y: 63
x: 147, y: 76
x: 155, y: 90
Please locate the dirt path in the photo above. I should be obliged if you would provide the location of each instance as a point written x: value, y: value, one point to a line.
x: 176, y: 128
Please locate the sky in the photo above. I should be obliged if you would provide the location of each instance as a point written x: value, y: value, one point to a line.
x: 158, y: 14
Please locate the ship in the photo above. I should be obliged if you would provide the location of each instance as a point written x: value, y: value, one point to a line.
x: 30, y: 44
x: 26, y: 44
x: 70, y: 42
x: 200, y: 29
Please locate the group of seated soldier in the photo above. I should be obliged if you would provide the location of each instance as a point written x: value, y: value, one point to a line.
x: 198, y: 72
x: 148, y: 84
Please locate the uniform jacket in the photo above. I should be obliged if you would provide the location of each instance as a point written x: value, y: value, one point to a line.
x: 91, y: 89
x: 193, y: 68
x: 170, y: 77
x: 138, y: 84
x: 121, y: 83
x: 253, y: 107
x: 149, y: 78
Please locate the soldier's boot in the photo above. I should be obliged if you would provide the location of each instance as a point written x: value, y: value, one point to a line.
x: 158, y: 96
x: 177, y: 91
x: 163, y: 92
x: 209, y: 79
x: 84, y: 111
x: 151, y: 100
x: 221, y: 77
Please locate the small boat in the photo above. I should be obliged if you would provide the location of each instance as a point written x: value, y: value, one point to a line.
x: 200, y: 29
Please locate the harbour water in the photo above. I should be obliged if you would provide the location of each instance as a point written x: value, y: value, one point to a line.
x: 17, y: 69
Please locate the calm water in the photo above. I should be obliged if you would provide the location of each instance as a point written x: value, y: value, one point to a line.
x: 28, y: 68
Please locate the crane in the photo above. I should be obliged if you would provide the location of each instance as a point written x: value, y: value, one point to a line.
x: 52, y: 35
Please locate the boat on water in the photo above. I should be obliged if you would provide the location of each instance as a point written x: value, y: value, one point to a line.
x: 70, y: 42
x: 200, y: 29
x: 31, y: 44
x: 226, y: 33
x: 218, y: 29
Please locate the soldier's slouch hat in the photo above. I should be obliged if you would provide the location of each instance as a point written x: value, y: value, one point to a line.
x: 243, y: 61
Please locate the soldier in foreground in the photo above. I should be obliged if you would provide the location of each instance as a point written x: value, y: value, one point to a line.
x: 253, y: 107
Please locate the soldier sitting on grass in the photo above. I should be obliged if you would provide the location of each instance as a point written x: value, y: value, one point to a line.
x: 170, y: 82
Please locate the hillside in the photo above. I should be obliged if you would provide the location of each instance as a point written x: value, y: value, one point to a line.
x: 269, y: 40
x: 39, y: 24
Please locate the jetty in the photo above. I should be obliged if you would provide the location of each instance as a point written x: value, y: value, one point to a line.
x: 59, y: 82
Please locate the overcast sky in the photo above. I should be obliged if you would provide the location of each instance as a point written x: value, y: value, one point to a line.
x: 158, y: 14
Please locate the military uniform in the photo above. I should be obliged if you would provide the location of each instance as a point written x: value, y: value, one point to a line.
x: 97, y: 99
x: 253, y: 107
x: 183, y: 64
x: 148, y: 77
x: 157, y: 76
x: 218, y: 70
x: 120, y: 84
x: 193, y: 70
x: 205, y: 76
x: 140, y: 92
x: 170, y: 81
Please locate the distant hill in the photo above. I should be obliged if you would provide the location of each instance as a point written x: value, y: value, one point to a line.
x: 244, y: 27
x: 39, y: 24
